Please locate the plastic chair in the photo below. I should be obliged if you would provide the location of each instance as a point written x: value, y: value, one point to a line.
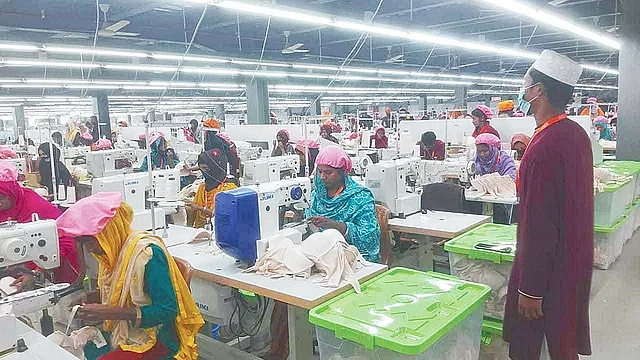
x: 185, y: 269
x: 382, y: 213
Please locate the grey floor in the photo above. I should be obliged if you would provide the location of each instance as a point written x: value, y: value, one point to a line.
x: 615, y: 307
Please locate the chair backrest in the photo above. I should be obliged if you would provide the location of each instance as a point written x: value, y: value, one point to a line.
x: 443, y: 197
x: 382, y: 213
x: 185, y: 269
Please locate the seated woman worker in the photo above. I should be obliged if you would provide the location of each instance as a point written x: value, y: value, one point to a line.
x: 142, y: 298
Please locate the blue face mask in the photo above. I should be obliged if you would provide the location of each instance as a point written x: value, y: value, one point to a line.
x: 525, y: 105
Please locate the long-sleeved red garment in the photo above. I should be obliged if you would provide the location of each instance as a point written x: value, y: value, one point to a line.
x: 554, y: 259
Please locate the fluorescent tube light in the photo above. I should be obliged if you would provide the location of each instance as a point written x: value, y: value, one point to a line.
x: 91, y: 51
x: 600, y: 69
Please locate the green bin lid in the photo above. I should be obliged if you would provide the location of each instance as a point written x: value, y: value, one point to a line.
x: 488, y: 234
x: 403, y: 310
x: 627, y: 168
x: 621, y: 221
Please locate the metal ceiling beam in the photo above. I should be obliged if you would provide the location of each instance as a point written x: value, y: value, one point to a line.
x: 135, y: 11
x: 418, y: 9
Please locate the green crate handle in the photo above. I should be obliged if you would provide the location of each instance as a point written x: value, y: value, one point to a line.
x: 358, y: 337
x: 487, y: 255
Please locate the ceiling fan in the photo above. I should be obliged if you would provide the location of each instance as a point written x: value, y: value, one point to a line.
x: 292, y: 49
x: 113, y: 29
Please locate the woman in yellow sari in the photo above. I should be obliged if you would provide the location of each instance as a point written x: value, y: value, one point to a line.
x: 145, y: 303
x: 213, y: 164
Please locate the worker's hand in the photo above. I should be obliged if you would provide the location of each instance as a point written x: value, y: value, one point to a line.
x: 326, y: 223
x: 99, y: 312
x: 24, y: 283
x: 78, y: 299
x: 530, y: 308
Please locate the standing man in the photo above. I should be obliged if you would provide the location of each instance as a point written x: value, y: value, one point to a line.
x: 547, y: 311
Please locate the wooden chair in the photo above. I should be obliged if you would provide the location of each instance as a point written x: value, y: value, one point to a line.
x: 185, y: 269
x: 386, y: 252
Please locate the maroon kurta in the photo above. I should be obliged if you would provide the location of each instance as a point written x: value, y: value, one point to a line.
x: 554, y: 259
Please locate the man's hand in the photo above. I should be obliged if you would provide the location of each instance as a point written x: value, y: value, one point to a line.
x: 530, y: 308
x: 326, y: 223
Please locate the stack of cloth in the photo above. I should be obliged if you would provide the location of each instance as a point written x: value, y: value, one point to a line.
x: 495, y: 185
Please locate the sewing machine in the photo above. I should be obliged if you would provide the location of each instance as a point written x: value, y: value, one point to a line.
x: 134, y: 189
x: 388, y: 183
x: 35, y: 241
x: 167, y: 184
x: 436, y: 171
x: 246, y: 152
x: 110, y: 162
x: 271, y: 169
x: 73, y: 154
x: 247, y: 218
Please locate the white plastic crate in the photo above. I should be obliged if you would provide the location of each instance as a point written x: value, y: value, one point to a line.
x: 485, y: 272
x: 461, y: 343
x: 611, y: 204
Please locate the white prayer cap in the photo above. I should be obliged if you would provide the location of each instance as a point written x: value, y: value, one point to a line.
x: 558, y: 67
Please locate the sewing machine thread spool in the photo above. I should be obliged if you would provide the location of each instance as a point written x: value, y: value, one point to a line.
x: 161, y: 185
x: 172, y: 187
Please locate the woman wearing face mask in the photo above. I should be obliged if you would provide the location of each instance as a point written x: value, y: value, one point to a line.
x: 481, y: 116
x: 18, y: 204
x: 490, y: 159
x: 519, y: 143
x: 283, y: 145
x: 379, y: 138
x: 142, y: 300
x: 63, y: 177
x: 213, y: 164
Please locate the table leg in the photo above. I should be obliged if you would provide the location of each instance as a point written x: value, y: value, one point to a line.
x: 300, y: 334
x: 425, y: 253
x: 487, y: 209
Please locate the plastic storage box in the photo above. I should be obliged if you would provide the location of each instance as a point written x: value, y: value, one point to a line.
x: 483, y: 266
x: 608, y: 241
x: 403, y: 314
x: 626, y: 168
x: 611, y: 204
x: 493, y: 347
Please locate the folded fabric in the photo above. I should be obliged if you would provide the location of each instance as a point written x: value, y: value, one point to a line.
x: 495, y: 185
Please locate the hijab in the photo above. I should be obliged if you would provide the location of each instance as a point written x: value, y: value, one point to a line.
x: 428, y: 139
x: 216, y: 161
x: 606, y: 132
x: 63, y: 177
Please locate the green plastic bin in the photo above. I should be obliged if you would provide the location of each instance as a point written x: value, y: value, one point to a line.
x: 485, y: 266
x: 403, y: 314
x: 493, y: 346
x: 626, y: 168
x: 609, y: 241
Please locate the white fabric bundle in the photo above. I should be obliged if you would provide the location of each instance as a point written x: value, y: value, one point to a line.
x: 189, y: 191
x: 327, y: 251
x: 78, y: 172
x: 602, y: 177
x: 495, y: 185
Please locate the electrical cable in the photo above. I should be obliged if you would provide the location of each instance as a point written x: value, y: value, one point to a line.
x: 244, y: 309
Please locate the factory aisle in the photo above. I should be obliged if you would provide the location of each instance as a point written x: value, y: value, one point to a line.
x: 615, y: 310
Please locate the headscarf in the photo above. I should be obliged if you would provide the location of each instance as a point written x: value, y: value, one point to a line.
x: 159, y: 159
x: 605, y: 134
x: 335, y: 157
x: 429, y: 139
x: 63, y: 177
x: 326, y: 128
x: 106, y: 217
x: 592, y: 100
x: 284, y: 134
x: 72, y: 132
x: 506, y: 105
x: 381, y: 142
x: 216, y: 160
x: 488, y: 114
x: 211, y: 123
x: 496, y: 158
x: 7, y: 153
x: 523, y: 138
x: 310, y: 144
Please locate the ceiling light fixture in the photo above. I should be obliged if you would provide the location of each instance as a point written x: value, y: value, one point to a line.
x: 555, y: 21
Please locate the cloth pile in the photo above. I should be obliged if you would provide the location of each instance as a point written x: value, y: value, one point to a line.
x: 602, y: 177
x: 495, y: 185
x: 328, y: 251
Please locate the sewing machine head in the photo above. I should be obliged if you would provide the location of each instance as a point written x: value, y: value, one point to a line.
x: 132, y: 186
x: 387, y: 180
x: 110, y: 162
x: 271, y: 169
x: 436, y: 171
x: 35, y: 241
x: 246, y: 152
x: 245, y: 218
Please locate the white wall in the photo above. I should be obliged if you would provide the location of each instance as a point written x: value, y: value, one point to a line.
x: 460, y: 128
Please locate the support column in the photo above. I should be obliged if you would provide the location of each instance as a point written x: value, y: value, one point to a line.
x: 100, y: 102
x: 317, y: 106
x: 628, y: 83
x: 423, y: 104
x: 461, y: 96
x: 20, y: 123
x: 218, y: 112
x: 258, y: 102
x: 334, y: 109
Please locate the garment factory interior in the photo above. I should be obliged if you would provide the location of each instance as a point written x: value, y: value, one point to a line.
x: 320, y: 179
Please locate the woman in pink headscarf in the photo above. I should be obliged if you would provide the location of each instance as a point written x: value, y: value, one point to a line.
x: 311, y: 148
x: 481, y: 116
x: 18, y: 203
x: 490, y: 159
x: 519, y: 143
x: 380, y: 138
